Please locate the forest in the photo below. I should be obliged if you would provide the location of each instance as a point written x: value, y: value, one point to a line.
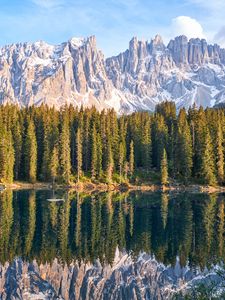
x: 72, y: 145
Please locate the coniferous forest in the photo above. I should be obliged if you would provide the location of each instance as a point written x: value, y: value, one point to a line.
x: 73, y: 145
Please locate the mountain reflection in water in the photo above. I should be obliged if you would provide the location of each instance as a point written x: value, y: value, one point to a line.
x: 168, y: 228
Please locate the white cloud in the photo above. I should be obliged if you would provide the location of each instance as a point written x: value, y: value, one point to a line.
x: 48, y: 3
x: 184, y: 25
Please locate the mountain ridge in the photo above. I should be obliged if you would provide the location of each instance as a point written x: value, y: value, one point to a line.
x: 148, y: 72
x: 127, y: 278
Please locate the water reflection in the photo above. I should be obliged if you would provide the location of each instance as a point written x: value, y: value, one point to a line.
x: 83, y: 227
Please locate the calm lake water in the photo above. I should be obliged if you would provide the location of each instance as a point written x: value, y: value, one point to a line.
x: 166, y: 227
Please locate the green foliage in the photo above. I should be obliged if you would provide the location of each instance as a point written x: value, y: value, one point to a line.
x: 79, y: 154
x: 131, y: 158
x: 54, y: 164
x: 208, y: 161
x: 183, y: 148
x: 164, y: 168
x: 211, y: 288
x: 220, y: 154
x: 6, y: 156
x: 64, y: 149
x: 45, y: 144
x: 30, y: 153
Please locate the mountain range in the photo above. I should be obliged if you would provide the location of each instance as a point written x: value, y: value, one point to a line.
x: 148, y: 72
x: 127, y: 278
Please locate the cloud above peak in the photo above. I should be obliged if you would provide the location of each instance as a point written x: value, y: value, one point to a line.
x: 184, y: 25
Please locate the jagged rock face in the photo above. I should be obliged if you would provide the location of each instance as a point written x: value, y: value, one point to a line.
x: 186, y: 72
x: 76, y: 72
x: 73, y: 72
x: 127, y: 278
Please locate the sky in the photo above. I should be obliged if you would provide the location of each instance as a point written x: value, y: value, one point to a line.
x: 113, y: 22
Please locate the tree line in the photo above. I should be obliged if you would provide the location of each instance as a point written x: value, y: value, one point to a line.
x: 71, y: 144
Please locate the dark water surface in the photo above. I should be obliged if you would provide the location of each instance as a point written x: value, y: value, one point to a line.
x: 190, y: 226
x: 85, y: 228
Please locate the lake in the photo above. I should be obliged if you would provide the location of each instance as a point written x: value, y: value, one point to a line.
x: 109, y: 245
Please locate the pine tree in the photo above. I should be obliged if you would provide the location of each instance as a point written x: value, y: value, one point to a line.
x: 160, y: 138
x: 110, y: 163
x: 54, y: 164
x: 183, y: 147
x: 6, y: 156
x: 219, y: 154
x: 99, y: 155
x: 9, y: 158
x: 121, y: 160
x: 94, y: 154
x: 208, y: 162
x: 45, y: 168
x: 199, y: 125
x: 65, y: 160
x: 146, y: 143
x: 126, y: 170
x: 86, y: 142
x: 164, y: 168
x: 79, y: 154
x: 30, y: 153
x: 17, y: 144
x: 131, y: 159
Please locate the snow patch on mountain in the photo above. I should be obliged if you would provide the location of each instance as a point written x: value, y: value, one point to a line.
x: 147, y: 73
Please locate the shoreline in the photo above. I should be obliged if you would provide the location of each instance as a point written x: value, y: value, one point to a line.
x: 102, y: 187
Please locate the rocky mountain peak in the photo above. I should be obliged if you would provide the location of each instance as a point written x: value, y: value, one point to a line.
x: 76, y: 72
x: 157, y: 46
x: 80, y: 42
x: 157, y: 40
x: 179, y: 49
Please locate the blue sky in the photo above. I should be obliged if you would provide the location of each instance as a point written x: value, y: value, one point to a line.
x: 114, y: 22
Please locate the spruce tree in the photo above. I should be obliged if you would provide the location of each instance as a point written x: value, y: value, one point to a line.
x: 30, y: 153
x: 131, y: 158
x: 54, y: 164
x: 121, y: 160
x: 183, y: 147
x: 6, y: 156
x: 79, y: 154
x: 164, y: 168
x: 94, y: 154
x: 99, y: 155
x: 208, y: 161
x: 65, y: 160
x: 199, y: 131
x: 146, y: 143
x: 160, y: 139
x: 45, y: 168
x: 86, y: 141
x: 17, y: 144
x: 219, y: 154
x: 9, y: 158
x: 110, y: 163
